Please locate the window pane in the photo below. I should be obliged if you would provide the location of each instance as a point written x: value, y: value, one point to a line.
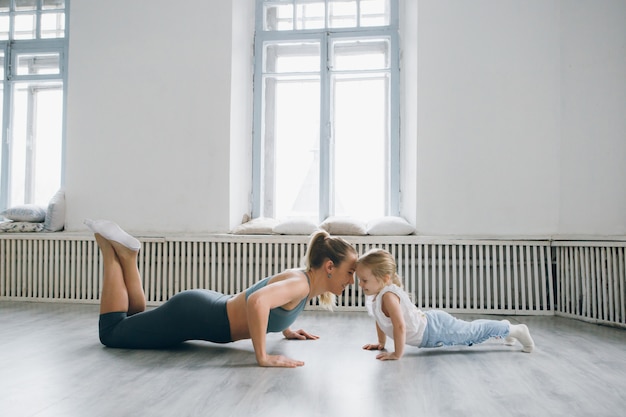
x: 278, y: 16
x: 366, y: 54
x: 375, y: 12
x: 310, y: 14
x: 1, y: 67
x: 295, y: 141
x: 36, y: 142
x: 342, y: 13
x: 292, y: 57
x: 360, y: 130
x: 53, y: 4
x: 52, y: 25
x: 4, y: 27
x: 322, y: 122
x: 24, y: 26
x: 37, y: 64
x: 25, y: 5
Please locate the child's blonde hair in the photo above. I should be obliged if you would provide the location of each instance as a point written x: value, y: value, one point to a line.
x: 380, y: 262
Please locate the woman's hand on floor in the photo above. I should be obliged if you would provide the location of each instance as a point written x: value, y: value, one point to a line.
x: 279, y: 361
x: 299, y: 335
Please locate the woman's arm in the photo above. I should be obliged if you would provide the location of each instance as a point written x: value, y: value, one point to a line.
x: 259, y: 305
x: 391, y: 305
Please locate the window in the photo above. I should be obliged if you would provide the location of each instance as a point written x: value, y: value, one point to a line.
x: 33, y: 57
x: 326, y: 109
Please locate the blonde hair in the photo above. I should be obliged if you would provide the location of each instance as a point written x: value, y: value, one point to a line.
x: 381, y: 263
x: 323, y: 246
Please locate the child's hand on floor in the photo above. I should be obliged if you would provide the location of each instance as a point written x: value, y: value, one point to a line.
x: 376, y: 346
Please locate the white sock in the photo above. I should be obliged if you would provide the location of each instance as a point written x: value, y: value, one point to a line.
x: 521, y: 333
x: 509, y: 340
x: 112, y: 231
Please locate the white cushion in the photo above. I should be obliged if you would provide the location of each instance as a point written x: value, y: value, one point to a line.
x: 258, y: 226
x: 295, y: 226
x: 389, y: 226
x: 19, y: 227
x: 55, y: 215
x: 343, y: 225
x: 25, y: 213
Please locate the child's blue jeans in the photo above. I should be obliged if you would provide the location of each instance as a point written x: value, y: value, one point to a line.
x: 443, y: 329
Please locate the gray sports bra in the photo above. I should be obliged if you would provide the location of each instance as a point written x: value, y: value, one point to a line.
x: 279, y: 318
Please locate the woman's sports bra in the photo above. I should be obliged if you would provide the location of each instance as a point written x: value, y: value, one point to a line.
x: 279, y: 318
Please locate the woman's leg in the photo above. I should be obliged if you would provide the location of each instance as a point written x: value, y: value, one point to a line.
x: 114, y: 297
x: 132, y: 279
x: 119, y: 250
x: 189, y: 315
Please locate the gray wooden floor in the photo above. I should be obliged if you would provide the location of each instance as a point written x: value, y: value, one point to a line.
x: 52, y: 364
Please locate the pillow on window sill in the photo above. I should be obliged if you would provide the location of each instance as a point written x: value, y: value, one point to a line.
x: 258, y: 226
x: 340, y: 225
x: 20, y: 227
x: 55, y: 214
x: 295, y: 226
x: 389, y: 226
x: 25, y: 213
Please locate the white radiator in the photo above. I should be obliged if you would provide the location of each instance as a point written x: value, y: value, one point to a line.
x: 500, y: 277
x: 591, y: 281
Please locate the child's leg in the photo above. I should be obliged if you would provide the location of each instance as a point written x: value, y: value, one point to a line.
x: 445, y: 330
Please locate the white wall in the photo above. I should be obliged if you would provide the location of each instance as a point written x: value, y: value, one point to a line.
x: 149, y: 114
x: 488, y: 118
x: 408, y: 96
x: 521, y: 118
x: 241, y: 112
x: 593, y: 123
x: 513, y: 116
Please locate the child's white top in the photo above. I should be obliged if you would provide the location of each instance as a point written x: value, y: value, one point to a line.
x: 414, y: 318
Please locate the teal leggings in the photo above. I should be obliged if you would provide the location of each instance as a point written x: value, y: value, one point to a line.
x: 188, y: 315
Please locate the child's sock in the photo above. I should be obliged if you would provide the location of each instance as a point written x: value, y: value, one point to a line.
x: 112, y: 231
x: 521, y: 333
x: 509, y: 340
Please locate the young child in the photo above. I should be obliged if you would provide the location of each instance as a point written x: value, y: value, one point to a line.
x: 397, y: 317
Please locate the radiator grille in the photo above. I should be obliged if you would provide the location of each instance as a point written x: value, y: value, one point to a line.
x: 584, y: 280
x: 475, y: 276
x: 591, y: 281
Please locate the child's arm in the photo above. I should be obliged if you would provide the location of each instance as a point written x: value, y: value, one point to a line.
x: 391, y: 306
x: 382, y: 338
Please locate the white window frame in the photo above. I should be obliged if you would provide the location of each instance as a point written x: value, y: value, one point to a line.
x: 325, y: 36
x: 12, y: 48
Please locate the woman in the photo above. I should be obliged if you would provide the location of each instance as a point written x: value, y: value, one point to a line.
x: 271, y: 305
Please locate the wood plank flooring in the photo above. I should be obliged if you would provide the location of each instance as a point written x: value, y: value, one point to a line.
x: 52, y: 364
